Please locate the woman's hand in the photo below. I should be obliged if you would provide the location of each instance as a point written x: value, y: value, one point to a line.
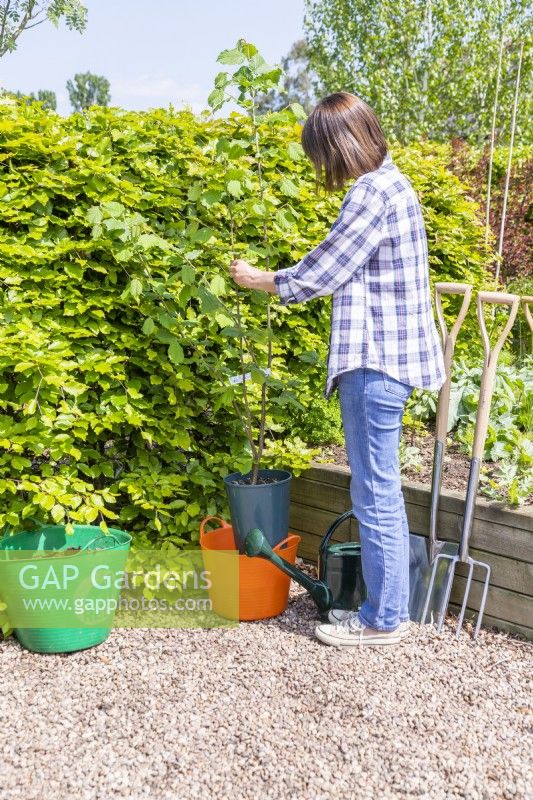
x: 250, y: 277
x: 244, y: 274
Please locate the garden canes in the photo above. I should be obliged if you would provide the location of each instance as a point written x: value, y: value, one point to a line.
x: 480, y: 435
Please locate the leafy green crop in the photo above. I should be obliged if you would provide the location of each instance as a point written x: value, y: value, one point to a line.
x: 509, y: 437
x: 114, y: 250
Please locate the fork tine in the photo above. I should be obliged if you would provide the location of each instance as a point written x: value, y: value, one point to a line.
x: 429, y: 590
x: 486, y: 567
x: 444, y: 605
x: 465, y: 597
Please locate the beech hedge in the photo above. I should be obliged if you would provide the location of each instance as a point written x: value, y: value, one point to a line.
x: 117, y: 312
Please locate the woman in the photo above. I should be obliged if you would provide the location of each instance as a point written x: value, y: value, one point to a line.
x: 384, y: 342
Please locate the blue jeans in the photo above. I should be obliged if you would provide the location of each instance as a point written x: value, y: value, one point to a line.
x: 372, y: 405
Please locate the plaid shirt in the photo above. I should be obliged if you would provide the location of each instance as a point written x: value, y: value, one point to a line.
x: 374, y: 261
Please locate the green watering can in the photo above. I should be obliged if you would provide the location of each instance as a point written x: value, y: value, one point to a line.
x: 340, y: 584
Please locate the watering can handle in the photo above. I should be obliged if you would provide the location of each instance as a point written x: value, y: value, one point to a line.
x: 223, y: 524
x: 448, y: 344
x: 331, y: 530
x: 526, y: 302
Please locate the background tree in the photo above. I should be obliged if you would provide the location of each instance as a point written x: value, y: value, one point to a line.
x: 88, y: 90
x: 45, y: 96
x: 427, y: 67
x: 17, y: 16
x: 296, y: 85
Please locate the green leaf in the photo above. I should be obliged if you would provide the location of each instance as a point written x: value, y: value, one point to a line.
x: 234, y: 56
x: 218, y: 285
x: 175, y: 352
x: 188, y: 274
x: 249, y: 49
x: 149, y: 240
x: 221, y: 80
x: 74, y: 270
x: 295, y: 151
x: 94, y: 215
x: 202, y: 235
x: 223, y: 319
x: 234, y: 188
x: 113, y: 208
x: 195, y: 192
x: 211, y: 197
x: 209, y: 301
x: 282, y: 220
x: 216, y: 99
x: 309, y: 357
x: 232, y: 332
x: 286, y: 186
x: 113, y: 224
x: 58, y: 513
x: 149, y: 326
x: 19, y: 462
x: 298, y: 111
x: 136, y: 288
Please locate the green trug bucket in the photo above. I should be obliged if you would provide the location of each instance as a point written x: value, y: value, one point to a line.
x: 54, y: 538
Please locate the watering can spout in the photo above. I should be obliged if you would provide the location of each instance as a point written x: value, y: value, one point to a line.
x: 254, y: 543
x: 256, y: 546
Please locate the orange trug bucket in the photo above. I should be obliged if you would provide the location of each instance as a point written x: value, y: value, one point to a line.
x: 244, y: 588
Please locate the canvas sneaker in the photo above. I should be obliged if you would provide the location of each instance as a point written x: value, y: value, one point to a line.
x: 337, y: 615
x: 351, y: 632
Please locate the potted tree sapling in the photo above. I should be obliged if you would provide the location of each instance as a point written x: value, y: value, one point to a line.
x: 258, y: 498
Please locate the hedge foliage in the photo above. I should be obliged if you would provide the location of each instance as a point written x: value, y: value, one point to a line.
x: 115, y: 343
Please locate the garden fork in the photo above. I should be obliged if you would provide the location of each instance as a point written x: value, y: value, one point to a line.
x: 480, y: 435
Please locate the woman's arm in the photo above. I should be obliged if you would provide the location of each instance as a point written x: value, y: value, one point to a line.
x: 352, y: 240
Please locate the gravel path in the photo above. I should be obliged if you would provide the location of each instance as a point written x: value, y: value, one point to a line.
x: 265, y: 711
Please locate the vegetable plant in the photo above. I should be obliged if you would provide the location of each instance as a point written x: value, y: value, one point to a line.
x: 509, y: 443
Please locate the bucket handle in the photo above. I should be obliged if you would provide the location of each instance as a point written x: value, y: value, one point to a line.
x: 85, y: 546
x: 284, y: 542
x: 331, y: 530
x: 223, y: 524
x: 97, y: 539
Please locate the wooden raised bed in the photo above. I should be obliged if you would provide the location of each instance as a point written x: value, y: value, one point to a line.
x: 501, y: 537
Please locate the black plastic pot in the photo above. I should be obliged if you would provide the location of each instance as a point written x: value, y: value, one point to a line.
x: 264, y: 505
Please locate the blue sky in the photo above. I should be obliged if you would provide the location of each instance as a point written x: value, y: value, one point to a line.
x: 153, y: 53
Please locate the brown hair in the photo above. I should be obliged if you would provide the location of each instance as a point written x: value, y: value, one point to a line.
x: 343, y: 139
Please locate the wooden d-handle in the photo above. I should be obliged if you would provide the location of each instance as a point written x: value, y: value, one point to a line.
x: 526, y: 302
x: 453, y: 288
x: 491, y: 360
x: 496, y: 298
x: 448, y: 344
